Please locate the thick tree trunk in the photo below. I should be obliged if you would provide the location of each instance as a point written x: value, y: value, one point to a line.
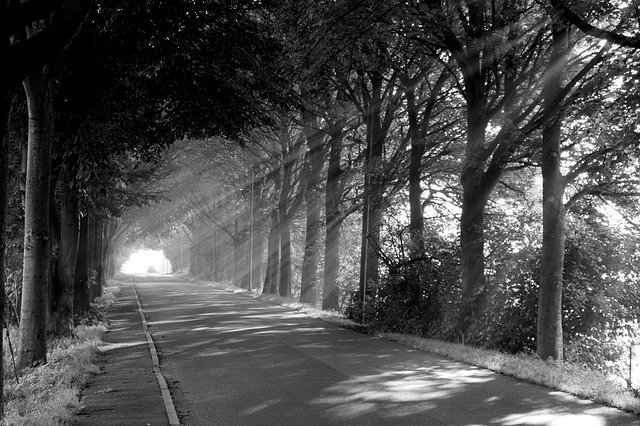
x: 33, y: 340
x: 63, y: 280
x: 333, y: 195
x: 549, y: 335
x: 416, y: 216
x: 81, y: 281
x: 313, y: 199
x: 372, y: 207
x: 284, y: 287
x: 6, y: 103
x: 474, y: 199
x: 109, y: 270
x: 273, y: 256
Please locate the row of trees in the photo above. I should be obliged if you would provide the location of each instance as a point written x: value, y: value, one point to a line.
x: 419, y: 115
x: 429, y: 120
x: 106, y: 86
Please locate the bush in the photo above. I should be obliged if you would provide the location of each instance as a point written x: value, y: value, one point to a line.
x: 416, y: 297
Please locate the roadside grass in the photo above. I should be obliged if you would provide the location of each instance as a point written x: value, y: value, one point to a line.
x: 571, y: 378
x: 50, y: 393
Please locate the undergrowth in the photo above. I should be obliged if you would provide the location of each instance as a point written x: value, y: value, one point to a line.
x: 50, y: 393
x: 571, y: 378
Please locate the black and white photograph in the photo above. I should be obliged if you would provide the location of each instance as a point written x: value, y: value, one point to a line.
x: 320, y: 212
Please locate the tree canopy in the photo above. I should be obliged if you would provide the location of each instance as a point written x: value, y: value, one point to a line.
x: 462, y: 171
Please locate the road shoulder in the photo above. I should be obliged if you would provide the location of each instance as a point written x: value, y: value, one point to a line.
x: 126, y: 391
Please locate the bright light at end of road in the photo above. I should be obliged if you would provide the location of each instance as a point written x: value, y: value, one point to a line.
x: 146, y: 261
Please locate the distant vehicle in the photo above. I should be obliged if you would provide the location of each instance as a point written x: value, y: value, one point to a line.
x: 151, y: 270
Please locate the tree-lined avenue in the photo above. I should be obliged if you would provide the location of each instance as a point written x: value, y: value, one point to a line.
x: 236, y: 360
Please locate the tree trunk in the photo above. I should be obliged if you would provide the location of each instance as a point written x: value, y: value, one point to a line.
x: 474, y: 199
x: 313, y: 199
x: 240, y: 267
x: 81, y: 281
x: 5, y: 119
x: 257, y: 255
x: 63, y: 280
x: 549, y: 335
x: 330, y: 293
x: 97, y: 257
x: 416, y: 216
x: 33, y: 340
x: 373, y: 190
x: 91, y: 255
x: 236, y: 256
x: 273, y: 256
x: 257, y: 244
x: 109, y: 270
x: 284, y: 285
x: 54, y: 249
x: 418, y: 134
x: 192, y: 252
x: 217, y: 276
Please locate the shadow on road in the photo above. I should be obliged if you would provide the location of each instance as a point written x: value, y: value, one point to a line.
x: 242, y: 361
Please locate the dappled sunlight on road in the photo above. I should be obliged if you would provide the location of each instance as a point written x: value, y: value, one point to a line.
x: 243, y: 361
x: 120, y: 345
x: 552, y: 418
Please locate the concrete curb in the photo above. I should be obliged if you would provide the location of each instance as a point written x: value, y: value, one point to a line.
x: 164, y: 388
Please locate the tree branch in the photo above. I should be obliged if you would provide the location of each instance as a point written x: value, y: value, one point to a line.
x: 44, y: 47
x: 583, y: 25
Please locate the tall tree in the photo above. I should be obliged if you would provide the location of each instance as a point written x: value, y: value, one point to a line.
x: 36, y: 268
x: 6, y: 104
x: 419, y: 127
x: 27, y: 58
x: 271, y: 277
x: 333, y: 218
x: 289, y: 150
x: 313, y: 198
x: 378, y: 99
x: 549, y: 335
x: 65, y: 270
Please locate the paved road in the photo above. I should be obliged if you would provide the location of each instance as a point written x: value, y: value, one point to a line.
x: 235, y: 360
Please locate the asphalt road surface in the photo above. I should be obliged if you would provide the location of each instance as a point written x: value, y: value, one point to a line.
x: 234, y: 360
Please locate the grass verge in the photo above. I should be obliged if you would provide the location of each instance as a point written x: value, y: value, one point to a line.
x: 50, y: 393
x: 571, y: 378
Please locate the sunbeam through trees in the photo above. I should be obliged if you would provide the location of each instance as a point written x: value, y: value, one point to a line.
x: 463, y: 171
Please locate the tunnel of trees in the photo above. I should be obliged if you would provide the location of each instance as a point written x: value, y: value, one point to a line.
x: 466, y: 170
